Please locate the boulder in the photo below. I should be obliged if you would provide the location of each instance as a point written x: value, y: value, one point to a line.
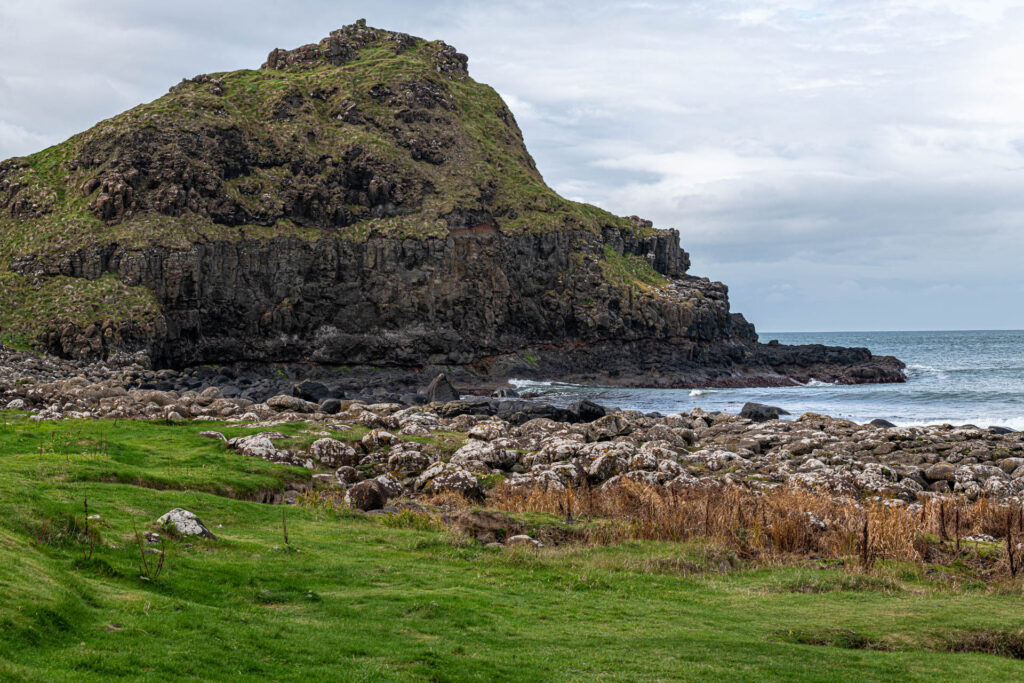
x: 366, y: 495
x: 311, y: 391
x: 759, y: 412
x: 407, y: 462
x: 941, y: 471
x: 885, y: 424
x: 284, y: 402
x: 255, y: 446
x: 185, y: 523
x: 1010, y: 465
x: 488, y: 430
x: 486, y: 526
x: 390, y: 485
x: 486, y: 454
x: 586, y: 410
x: 520, y: 411
x: 208, y: 396
x: 524, y: 541
x: 330, y: 406
x: 607, y: 428
x: 444, y: 477
x: 680, y: 437
x: 378, y: 438
x: 347, y: 474
x: 603, y: 468
x: 441, y: 390
x: 333, y: 453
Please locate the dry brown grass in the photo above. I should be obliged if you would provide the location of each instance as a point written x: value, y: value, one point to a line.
x: 788, y: 523
x: 780, y: 526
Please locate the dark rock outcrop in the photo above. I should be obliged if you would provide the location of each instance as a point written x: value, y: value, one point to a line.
x: 299, y: 214
x: 440, y: 389
x: 759, y: 412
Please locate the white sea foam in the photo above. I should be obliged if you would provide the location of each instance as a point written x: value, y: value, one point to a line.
x: 701, y: 392
x: 919, y: 370
x: 523, y: 383
x: 538, y: 384
x: 1015, y: 423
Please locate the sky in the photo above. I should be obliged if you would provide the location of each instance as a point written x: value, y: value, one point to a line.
x: 853, y: 165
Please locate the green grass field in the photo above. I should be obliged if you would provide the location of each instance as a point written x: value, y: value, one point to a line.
x: 356, y: 597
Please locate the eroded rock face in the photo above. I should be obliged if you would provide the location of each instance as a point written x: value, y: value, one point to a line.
x: 329, y: 223
x: 404, y: 303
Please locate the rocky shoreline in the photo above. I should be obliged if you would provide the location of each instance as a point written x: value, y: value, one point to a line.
x: 530, y: 444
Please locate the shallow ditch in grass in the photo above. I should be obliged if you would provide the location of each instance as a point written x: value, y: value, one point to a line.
x: 1000, y: 642
x: 833, y: 583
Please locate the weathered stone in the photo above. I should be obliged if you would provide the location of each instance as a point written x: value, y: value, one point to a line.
x: 283, y: 402
x: 366, y: 495
x: 446, y: 477
x: 522, y: 540
x: 608, y: 427
x: 185, y: 523
x: 333, y: 453
x: 942, y: 471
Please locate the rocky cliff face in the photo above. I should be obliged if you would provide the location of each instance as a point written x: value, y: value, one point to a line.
x: 361, y: 202
x: 386, y: 301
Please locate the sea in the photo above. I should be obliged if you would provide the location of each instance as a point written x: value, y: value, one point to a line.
x: 955, y: 377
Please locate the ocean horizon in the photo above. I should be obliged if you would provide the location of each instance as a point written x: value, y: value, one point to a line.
x: 953, y: 376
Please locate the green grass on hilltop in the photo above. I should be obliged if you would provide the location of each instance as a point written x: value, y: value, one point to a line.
x: 630, y: 271
x: 250, y: 138
x: 28, y: 307
x: 359, y: 597
x: 486, y: 160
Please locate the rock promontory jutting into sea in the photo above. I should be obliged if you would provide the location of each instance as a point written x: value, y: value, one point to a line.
x: 363, y: 205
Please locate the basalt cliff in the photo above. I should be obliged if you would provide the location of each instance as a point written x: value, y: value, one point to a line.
x: 358, y: 203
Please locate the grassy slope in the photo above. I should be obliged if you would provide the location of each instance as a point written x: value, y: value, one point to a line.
x: 364, y: 601
x: 482, y: 150
x: 486, y: 156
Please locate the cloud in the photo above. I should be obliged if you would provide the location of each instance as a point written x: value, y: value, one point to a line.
x: 855, y: 164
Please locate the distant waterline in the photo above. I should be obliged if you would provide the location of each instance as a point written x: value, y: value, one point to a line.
x: 973, y: 377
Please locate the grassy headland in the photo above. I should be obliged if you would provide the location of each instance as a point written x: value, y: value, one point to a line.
x: 357, y: 597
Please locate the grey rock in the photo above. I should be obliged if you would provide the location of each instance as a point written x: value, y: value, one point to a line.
x: 284, y: 402
x: 608, y: 427
x: 333, y: 453
x: 185, y: 523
